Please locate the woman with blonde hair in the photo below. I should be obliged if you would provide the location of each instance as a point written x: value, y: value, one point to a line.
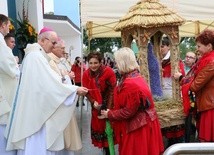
x: 137, y: 127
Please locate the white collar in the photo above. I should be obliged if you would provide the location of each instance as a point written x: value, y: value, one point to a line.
x: 167, y: 56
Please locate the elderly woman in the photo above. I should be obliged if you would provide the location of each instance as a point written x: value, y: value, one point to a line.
x: 203, y: 86
x: 137, y: 126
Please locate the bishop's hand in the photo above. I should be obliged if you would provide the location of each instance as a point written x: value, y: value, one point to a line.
x: 82, y: 91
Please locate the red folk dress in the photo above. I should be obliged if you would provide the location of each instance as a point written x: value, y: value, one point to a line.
x: 136, y: 123
x: 101, y: 85
x: 176, y: 131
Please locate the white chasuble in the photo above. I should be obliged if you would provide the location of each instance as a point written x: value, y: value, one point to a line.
x: 40, y: 103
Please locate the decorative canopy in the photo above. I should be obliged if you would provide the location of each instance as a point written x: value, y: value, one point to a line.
x: 148, y: 21
x: 105, y: 14
x: 149, y: 13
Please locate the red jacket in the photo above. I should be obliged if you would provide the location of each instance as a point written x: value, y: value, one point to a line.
x: 77, y: 72
x: 203, y: 83
x: 134, y: 105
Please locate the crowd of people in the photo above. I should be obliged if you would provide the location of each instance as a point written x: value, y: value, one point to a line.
x: 38, y: 98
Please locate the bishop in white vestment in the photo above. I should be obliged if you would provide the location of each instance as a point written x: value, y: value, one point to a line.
x: 41, y: 111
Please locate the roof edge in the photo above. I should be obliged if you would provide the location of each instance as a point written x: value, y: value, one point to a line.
x: 60, y: 17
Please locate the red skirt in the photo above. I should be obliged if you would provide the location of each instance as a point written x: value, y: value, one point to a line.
x: 206, y: 126
x: 146, y: 140
x: 98, y: 135
x: 175, y: 131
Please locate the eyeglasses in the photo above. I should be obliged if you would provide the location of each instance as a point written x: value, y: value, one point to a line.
x: 53, y: 42
x: 190, y: 57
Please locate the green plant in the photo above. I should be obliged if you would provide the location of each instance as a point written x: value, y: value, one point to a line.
x: 25, y: 32
x: 11, y: 28
x: 187, y: 44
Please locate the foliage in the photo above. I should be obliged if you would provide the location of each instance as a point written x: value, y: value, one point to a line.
x: 105, y: 44
x: 11, y: 28
x: 102, y: 44
x: 187, y: 44
x: 26, y: 32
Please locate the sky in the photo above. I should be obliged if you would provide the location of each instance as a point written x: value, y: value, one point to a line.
x: 48, y: 6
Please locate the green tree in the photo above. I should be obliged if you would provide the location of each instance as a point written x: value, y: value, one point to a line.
x: 103, y: 44
x: 187, y: 44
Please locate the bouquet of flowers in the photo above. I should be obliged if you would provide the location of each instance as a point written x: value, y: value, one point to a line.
x: 11, y: 28
x: 26, y: 32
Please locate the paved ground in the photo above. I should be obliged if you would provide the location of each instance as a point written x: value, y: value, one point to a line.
x: 84, y: 126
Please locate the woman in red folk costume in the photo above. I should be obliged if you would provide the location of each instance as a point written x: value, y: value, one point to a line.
x: 203, y: 86
x: 174, y: 134
x: 136, y: 122
x: 166, y: 67
x: 100, y: 80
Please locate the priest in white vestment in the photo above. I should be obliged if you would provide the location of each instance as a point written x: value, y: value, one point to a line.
x: 42, y: 109
x: 71, y: 134
x: 9, y: 73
